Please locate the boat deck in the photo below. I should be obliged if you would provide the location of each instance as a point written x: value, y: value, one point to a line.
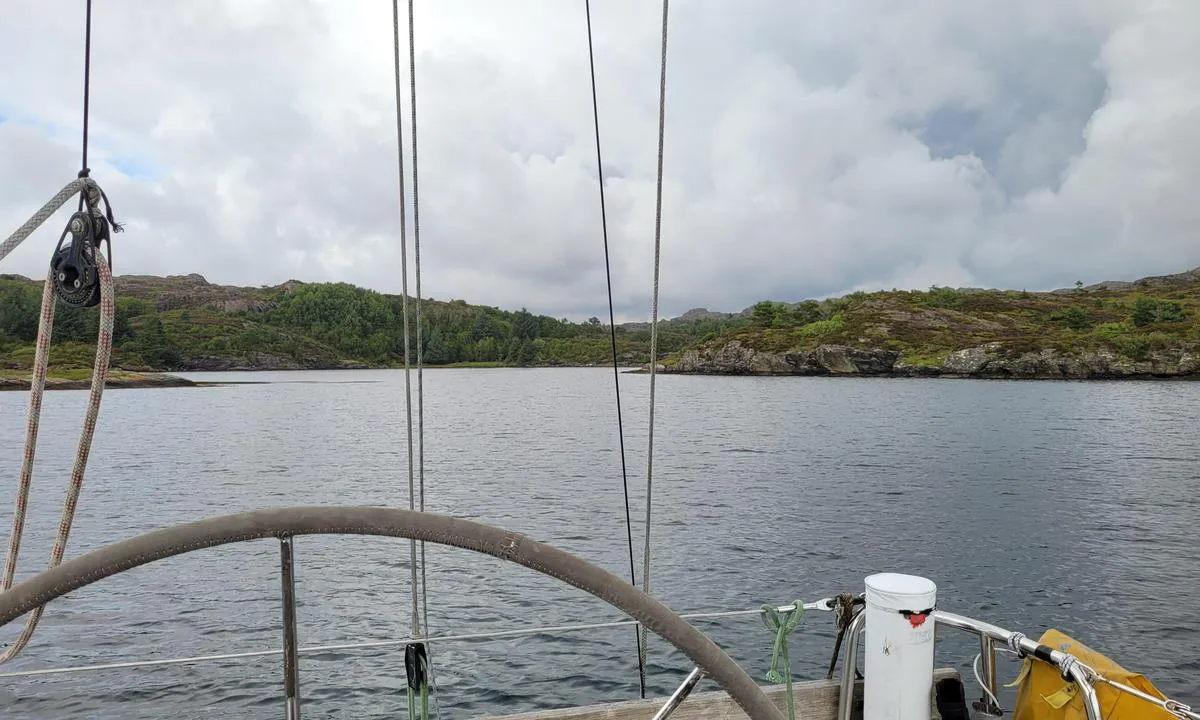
x: 815, y: 700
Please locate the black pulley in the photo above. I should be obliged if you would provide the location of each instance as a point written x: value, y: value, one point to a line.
x: 75, y: 275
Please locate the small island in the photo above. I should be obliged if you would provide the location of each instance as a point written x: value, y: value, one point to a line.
x: 82, y: 380
x: 1147, y: 328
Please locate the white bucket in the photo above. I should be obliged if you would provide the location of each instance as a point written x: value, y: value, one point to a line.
x: 898, y: 663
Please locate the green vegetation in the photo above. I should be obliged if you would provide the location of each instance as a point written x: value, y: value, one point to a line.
x: 1130, y: 319
x: 1147, y: 310
x: 81, y: 379
x: 185, y: 323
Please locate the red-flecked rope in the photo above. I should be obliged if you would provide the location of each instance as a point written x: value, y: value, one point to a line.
x: 36, y: 389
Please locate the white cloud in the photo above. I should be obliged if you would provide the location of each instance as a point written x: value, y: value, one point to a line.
x: 812, y: 146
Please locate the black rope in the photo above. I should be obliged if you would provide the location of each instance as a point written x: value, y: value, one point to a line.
x: 846, y: 607
x: 612, y: 329
x: 87, y: 86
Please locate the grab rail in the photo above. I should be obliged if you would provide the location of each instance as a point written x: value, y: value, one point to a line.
x: 988, y: 634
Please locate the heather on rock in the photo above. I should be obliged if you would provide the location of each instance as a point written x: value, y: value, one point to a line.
x: 1145, y: 328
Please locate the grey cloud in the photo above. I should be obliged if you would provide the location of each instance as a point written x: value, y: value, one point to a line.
x: 812, y: 147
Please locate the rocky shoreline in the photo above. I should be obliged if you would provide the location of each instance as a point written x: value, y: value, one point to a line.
x: 115, y: 380
x: 257, y: 361
x: 990, y: 361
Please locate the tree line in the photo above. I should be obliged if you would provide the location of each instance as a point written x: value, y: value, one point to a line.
x: 333, y: 320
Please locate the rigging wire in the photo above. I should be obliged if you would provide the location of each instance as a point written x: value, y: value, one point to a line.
x: 416, y: 616
x: 662, y: 113
x: 412, y: 75
x: 612, y: 328
x: 87, y: 90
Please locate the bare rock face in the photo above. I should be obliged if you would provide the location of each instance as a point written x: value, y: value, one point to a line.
x: 735, y: 358
x: 267, y: 361
x: 184, y: 292
x: 848, y: 360
x: 208, y: 364
x: 702, y: 314
x: 972, y: 360
x: 992, y: 360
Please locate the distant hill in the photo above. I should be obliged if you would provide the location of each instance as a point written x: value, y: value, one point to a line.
x: 1142, y: 328
x: 184, y: 322
x: 1147, y: 327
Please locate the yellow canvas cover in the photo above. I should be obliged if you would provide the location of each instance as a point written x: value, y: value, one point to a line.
x: 1043, y: 694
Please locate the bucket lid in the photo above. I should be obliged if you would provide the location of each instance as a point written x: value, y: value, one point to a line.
x: 896, y: 591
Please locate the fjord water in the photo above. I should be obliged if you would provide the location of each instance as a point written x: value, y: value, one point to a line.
x: 1031, y: 504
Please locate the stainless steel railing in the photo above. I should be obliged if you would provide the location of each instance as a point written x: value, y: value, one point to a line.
x: 1084, y: 677
x: 989, y: 635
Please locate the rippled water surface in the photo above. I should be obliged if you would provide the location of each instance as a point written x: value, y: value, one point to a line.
x: 1031, y: 504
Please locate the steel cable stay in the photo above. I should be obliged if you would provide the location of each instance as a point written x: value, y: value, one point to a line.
x: 612, y: 332
x: 417, y: 661
x: 658, y: 204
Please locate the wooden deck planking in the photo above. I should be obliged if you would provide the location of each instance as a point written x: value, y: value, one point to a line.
x: 815, y: 700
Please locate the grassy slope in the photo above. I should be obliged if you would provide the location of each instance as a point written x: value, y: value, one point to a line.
x: 926, y: 326
x: 186, y: 323
x: 233, y: 325
x: 202, y: 334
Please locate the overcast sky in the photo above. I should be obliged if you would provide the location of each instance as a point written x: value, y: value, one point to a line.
x: 813, y: 147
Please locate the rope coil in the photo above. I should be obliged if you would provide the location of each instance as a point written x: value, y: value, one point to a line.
x: 782, y: 624
x: 91, y: 196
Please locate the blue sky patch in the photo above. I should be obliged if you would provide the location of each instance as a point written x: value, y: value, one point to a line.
x: 135, y: 167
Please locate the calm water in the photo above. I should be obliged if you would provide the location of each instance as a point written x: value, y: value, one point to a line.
x: 1031, y: 504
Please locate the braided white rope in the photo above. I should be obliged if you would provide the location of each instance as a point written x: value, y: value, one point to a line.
x: 52, y: 206
x: 37, y: 387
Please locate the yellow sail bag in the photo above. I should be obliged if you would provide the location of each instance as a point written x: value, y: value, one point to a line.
x: 1043, y: 694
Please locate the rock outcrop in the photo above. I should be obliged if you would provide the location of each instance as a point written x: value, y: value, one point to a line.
x: 992, y: 360
x: 735, y: 358
x: 268, y: 361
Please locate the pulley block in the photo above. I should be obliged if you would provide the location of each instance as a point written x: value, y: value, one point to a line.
x: 75, y: 275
